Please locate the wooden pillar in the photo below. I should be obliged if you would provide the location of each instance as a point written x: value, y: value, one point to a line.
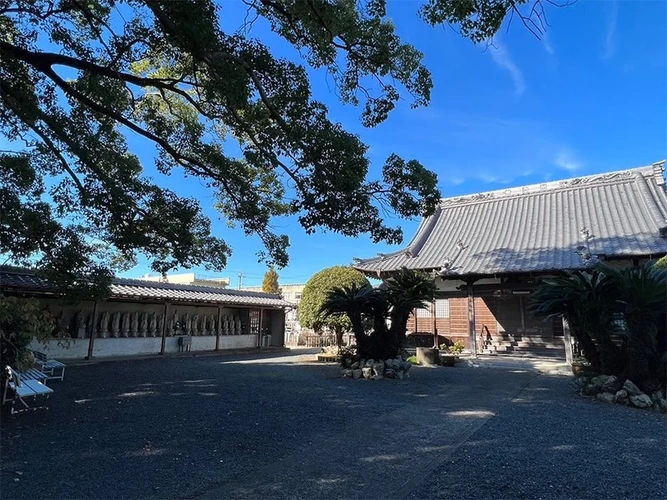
x: 567, y: 340
x: 435, y: 326
x: 414, y: 313
x: 217, y: 329
x: 259, y: 332
x: 472, y: 334
x: 164, y: 328
x: 91, y: 341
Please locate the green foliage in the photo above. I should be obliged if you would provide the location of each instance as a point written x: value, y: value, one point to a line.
x: 457, y: 347
x: 77, y: 77
x: 641, y: 296
x: 315, y: 294
x: 590, y: 300
x: 364, y: 305
x: 270, y: 283
x: 413, y: 360
x: 586, y: 300
x: 662, y: 263
x: 21, y: 320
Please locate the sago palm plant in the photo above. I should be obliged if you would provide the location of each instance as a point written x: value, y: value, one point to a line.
x: 586, y: 300
x: 641, y: 297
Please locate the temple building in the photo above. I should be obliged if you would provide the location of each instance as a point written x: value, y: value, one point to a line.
x: 488, y: 251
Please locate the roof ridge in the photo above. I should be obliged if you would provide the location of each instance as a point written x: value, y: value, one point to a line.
x: 653, y: 170
x: 185, y: 286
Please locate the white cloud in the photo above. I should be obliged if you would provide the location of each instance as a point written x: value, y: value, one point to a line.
x: 610, y: 37
x: 566, y: 160
x: 546, y: 43
x: 503, y: 59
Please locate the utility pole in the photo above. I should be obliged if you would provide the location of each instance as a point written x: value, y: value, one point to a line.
x: 240, y: 278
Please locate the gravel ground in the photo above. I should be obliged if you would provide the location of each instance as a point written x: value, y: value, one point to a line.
x: 549, y: 443
x: 277, y: 426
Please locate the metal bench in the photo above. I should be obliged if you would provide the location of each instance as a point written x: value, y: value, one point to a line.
x: 22, y: 389
x: 54, y: 370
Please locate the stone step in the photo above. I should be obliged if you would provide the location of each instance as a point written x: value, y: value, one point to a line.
x: 552, y: 354
x: 526, y: 344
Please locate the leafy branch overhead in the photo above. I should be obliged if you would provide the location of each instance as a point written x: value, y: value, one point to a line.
x: 80, y: 82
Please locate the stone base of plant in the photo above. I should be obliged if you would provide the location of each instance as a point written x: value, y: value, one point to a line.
x: 608, y: 388
x: 448, y: 359
x: 328, y: 358
x: 371, y: 369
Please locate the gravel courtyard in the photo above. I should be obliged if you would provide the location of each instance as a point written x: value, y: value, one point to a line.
x: 279, y: 426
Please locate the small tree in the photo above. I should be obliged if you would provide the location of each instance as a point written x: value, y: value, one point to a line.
x: 406, y: 290
x: 270, y: 283
x: 21, y: 320
x: 315, y: 294
x: 641, y: 296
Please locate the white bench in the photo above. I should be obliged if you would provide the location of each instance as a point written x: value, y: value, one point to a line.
x: 55, y: 370
x: 22, y: 389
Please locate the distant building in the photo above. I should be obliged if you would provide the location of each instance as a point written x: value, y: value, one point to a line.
x: 291, y: 293
x: 189, y: 279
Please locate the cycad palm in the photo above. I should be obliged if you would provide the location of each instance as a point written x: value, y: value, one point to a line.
x: 586, y: 300
x: 407, y: 290
x: 642, y: 296
x: 350, y: 300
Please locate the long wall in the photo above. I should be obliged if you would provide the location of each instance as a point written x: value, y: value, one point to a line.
x: 125, y: 328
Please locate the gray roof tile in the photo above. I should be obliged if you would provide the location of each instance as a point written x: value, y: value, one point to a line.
x: 537, y: 228
x: 23, y: 279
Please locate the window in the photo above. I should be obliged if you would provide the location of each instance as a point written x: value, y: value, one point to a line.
x: 424, y: 313
x: 442, y: 308
x: 297, y: 295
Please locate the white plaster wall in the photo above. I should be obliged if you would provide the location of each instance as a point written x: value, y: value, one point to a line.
x: 237, y: 341
x: 74, y: 349
x: 206, y: 343
x: 126, y: 346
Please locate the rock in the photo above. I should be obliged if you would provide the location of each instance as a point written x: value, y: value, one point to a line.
x: 362, y: 363
x: 631, y: 388
x: 378, y: 368
x: 400, y: 375
x: 356, y: 373
x: 406, y: 366
x: 377, y: 377
x: 661, y: 405
x: 389, y: 363
x: 369, y: 363
x: 621, y: 397
x: 610, y: 383
x: 607, y: 397
x: 597, y: 383
x: 346, y: 373
x: 355, y: 365
x: 390, y: 373
x: 590, y: 390
x: 348, y: 363
x: 641, y: 401
x: 367, y: 372
x: 657, y: 396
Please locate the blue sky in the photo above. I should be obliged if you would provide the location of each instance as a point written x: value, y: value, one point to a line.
x: 590, y: 97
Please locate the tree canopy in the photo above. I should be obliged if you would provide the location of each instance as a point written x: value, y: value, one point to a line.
x: 81, y: 82
x: 315, y: 294
x: 270, y: 283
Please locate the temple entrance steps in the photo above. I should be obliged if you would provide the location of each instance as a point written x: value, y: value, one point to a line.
x: 524, y: 346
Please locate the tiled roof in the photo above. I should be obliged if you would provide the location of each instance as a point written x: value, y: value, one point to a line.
x: 538, y: 228
x: 22, y: 279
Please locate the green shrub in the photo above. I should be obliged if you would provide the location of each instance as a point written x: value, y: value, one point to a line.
x: 457, y: 347
x: 413, y: 360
